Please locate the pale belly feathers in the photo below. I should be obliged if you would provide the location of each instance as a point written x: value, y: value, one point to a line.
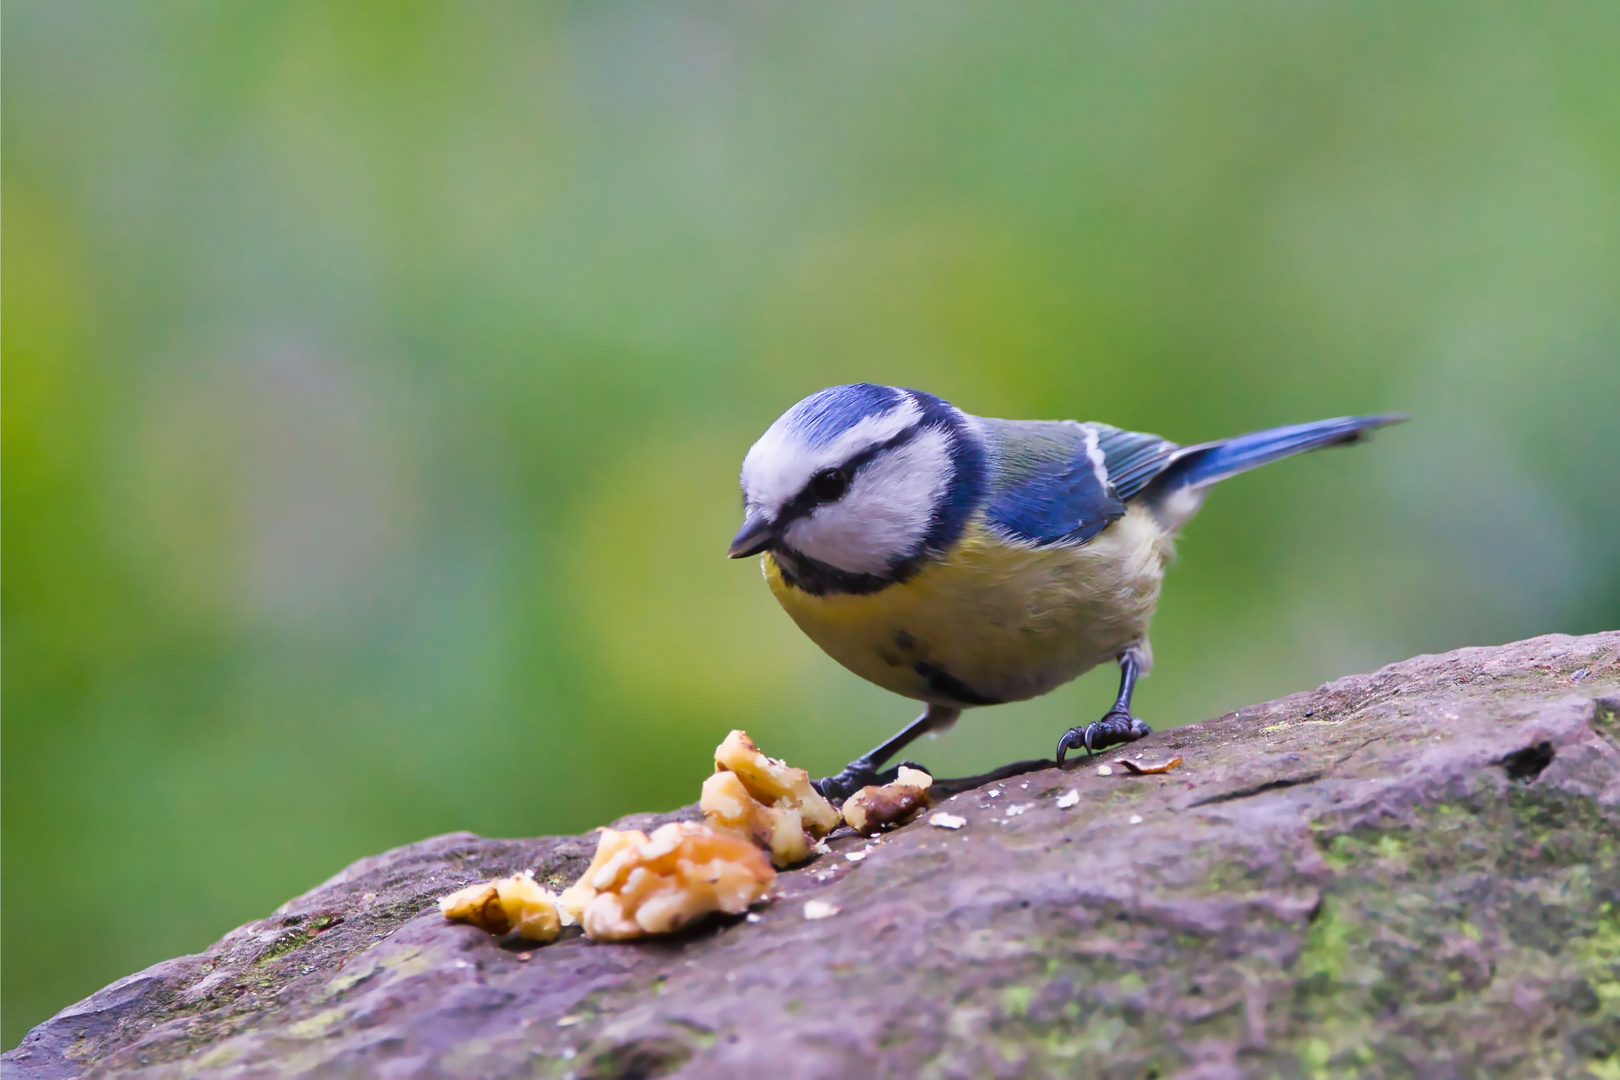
x: 994, y: 620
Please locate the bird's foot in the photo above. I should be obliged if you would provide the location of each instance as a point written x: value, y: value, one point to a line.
x: 1119, y: 726
x: 858, y: 774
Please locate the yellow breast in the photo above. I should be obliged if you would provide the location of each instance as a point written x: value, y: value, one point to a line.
x: 993, y: 620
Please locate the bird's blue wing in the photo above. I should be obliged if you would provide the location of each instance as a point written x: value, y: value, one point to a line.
x: 1063, y: 482
x: 1049, y: 482
x: 1132, y: 458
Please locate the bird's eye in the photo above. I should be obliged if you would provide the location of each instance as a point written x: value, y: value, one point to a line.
x: 829, y: 485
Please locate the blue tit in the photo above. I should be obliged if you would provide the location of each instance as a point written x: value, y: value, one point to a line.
x: 964, y: 561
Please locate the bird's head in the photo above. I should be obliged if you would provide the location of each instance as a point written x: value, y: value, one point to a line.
x: 854, y: 485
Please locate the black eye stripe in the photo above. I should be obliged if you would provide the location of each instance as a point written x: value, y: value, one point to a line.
x: 806, y: 500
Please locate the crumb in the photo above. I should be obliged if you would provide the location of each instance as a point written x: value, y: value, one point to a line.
x: 820, y: 909
x: 754, y: 917
x: 507, y: 906
x: 1105, y: 770
x: 762, y: 799
x: 1136, y: 819
x: 875, y: 808
x: 1017, y: 808
x: 640, y: 884
x: 1140, y: 767
x: 943, y: 820
x: 1068, y: 798
x: 854, y: 856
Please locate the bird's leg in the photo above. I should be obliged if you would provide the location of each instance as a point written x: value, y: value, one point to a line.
x: 865, y: 769
x: 1117, y: 725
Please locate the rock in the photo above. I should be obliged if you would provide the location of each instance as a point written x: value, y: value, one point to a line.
x: 1414, y: 872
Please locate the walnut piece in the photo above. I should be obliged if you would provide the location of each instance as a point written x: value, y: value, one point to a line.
x: 758, y: 797
x: 872, y: 809
x: 729, y: 808
x: 578, y: 896
x: 509, y: 904
x: 639, y: 884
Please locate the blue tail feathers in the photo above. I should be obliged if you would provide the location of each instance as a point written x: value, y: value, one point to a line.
x: 1199, y: 466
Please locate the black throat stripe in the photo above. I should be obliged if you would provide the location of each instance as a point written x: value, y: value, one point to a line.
x: 820, y: 579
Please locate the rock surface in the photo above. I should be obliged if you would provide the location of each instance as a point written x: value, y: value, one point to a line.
x: 1409, y: 873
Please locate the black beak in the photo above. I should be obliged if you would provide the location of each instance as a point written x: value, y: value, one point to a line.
x: 755, y: 536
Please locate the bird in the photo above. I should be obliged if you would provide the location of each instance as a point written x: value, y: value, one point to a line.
x: 964, y: 561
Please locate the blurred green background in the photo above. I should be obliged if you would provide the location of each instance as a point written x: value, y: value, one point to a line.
x: 376, y: 378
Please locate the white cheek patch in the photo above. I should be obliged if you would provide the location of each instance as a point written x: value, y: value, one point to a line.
x: 886, y: 512
x: 781, y: 463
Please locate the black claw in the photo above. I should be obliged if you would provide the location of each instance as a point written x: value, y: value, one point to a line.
x: 850, y: 779
x: 1112, y: 730
x: 858, y: 774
